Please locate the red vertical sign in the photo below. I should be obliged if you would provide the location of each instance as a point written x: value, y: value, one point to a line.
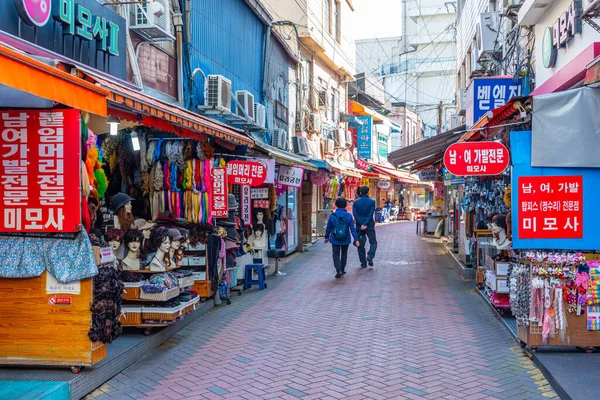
x: 220, y: 207
x: 40, y: 185
x: 550, y: 207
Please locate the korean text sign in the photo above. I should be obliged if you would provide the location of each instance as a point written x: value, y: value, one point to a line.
x: 476, y: 158
x: 246, y: 200
x: 364, y: 137
x: 251, y: 173
x: 40, y: 172
x: 550, y: 207
x: 220, y: 190
x: 487, y: 94
x: 290, y: 176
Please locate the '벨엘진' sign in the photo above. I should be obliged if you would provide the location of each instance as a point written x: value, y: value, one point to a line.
x: 220, y: 201
x: 251, y: 173
x: 476, y: 158
x: 83, y: 30
x: 428, y: 175
x: 487, y: 94
x: 550, y: 207
x: 40, y: 188
x: 290, y: 176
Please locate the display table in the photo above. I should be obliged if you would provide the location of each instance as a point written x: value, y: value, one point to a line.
x: 37, y: 328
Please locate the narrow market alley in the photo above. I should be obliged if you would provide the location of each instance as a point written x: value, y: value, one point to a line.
x: 408, y: 328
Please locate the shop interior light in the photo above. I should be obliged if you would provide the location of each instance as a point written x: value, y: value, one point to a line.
x: 135, y: 141
x: 114, y: 125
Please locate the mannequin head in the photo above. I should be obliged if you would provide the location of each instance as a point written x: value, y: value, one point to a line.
x: 260, y: 217
x: 499, y: 223
x: 120, y: 204
x: 159, y: 240
x: 144, y: 226
x: 258, y: 231
x: 133, y: 240
x: 114, y: 237
x: 175, y: 238
x: 185, y: 241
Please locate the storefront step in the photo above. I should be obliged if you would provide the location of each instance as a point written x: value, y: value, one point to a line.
x: 33, y: 390
x: 130, y: 347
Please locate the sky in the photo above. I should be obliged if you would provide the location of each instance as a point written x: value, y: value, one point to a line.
x: 376, y: 18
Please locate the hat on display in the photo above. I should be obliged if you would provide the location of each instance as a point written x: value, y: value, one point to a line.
x: 233, y: 203
x: 142, y: 225
x: 175, y: 235
x: 119, y: 200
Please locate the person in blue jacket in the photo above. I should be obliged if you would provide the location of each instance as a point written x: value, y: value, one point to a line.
x: 363, y: 210
x: 340, y: 232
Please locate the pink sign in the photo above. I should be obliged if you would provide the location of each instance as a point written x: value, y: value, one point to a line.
x: 34, y: 12
x: 318, y: 178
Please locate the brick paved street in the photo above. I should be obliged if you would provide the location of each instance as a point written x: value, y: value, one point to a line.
x: 408, y: 329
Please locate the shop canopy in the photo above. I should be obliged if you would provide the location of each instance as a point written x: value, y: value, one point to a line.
x: 348, y: 170
x: 358, y: 109
x: 497, y: 118
x: 22, y: 72
x: 136, y: 106
x: 284, y: 157
x: 426, y: 148
x: 400, y: 176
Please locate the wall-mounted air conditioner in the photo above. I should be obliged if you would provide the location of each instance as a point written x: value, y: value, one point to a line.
x: 217, y: 93
x: 280, y: 139
x: 455, y: 121
x: 315, y: 122
x: 245, y: 100
x: 340, y: 137
x: 300, y: 145
x: 329, y: 146
x: 260, y: 115
x: 151, y: 20
x: 461, y: 103
x: 475, y: 66
x: 487, y: 34
x: 348, y: 138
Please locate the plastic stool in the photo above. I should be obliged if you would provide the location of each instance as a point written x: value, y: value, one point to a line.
x: 262, y: 279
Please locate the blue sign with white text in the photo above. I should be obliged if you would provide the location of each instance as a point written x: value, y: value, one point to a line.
x: 487, y: 94
x: 364, y: 137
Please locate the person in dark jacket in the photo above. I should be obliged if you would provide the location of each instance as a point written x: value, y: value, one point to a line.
x: 363, y: 210
x: 340, y: 243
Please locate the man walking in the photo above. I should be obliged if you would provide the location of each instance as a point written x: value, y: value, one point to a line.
x: 363, y: 210
x: 340, y: 231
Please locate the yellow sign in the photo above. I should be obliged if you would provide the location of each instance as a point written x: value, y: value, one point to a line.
x: 364, y: 181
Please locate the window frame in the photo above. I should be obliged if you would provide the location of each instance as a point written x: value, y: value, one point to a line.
x: 327, y: 15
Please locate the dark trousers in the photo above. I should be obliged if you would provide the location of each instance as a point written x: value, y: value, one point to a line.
x: 362, y: 238
x: 340, y: 256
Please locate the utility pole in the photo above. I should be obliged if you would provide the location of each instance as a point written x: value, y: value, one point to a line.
x: 440, y: 113
x: 405, y: 42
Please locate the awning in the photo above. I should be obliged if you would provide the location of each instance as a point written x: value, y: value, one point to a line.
x: 494, y: 118
x: 285, y: 158
x: 162, y: 115
x: 321, y: 164
x: 358, y: 109
x: 345, y: 169
x: 27, y: 74
x: 394, y: 173
x: 425, y: 148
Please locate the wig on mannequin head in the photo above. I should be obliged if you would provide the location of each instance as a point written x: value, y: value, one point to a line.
x: 113, y: 235
x: 134, y: 235
x: 125, y: 218
x: 157, y: 237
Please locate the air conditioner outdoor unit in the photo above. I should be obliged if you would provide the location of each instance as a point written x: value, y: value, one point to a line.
x: 280, y: 139
x: 329, y: 146
x: 315, y: 120
x: 462, y: 102
x: 217, y: 93
x: 487, y: 34
x: 151, y: 20
x: 260, y: 115
x: 348, y: 138
x: 245, y: 100
x: 340, y: 137
x: 475, y: 66
x: 455, y: 121
x: 300, y: 145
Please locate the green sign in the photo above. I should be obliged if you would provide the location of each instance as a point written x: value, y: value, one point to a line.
x: 78, y: 20
x: 548, y: 50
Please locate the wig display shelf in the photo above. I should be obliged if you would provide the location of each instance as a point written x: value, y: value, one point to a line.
x: 41, y: 328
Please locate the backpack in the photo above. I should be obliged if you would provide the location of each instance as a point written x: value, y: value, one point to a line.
x: 340, y: 229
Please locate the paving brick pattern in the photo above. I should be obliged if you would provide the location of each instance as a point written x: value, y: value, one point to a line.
x: 409, y: 328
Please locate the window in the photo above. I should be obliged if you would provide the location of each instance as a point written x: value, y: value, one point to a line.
x: 334, y: 106
x: 327, y: 19
x: 337, y: 21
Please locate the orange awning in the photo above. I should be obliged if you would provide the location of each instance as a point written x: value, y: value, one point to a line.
x: 399, y: 175
x: 158, y: 113
x: 21, y: 72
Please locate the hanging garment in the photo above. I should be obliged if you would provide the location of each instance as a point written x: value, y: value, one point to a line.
x: 70, y: 260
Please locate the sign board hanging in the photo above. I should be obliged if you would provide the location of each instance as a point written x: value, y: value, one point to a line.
x: 450, y: 179
x: 550, y: 207
x: 564, y: 29
x: 362, y: 164
x: 364, y: 137
x: 476, y: 158
x: 384, y: 185
x: 40, y: 171
x: 260, y: 193
x: 428, y: 175
x: 85, y: 31
x: 318, y: 178
x: 250, y: 173
x: 365, y: 182
x: 290, y: 176
x: 261, y: 203
x: 220, y: 207
x: 487, y: 94
x: 246, y: 200
x: 352, y: 181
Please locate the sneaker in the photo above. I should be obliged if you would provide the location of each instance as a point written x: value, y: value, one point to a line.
x: 363, y: 265
x: 370, y: 261
x: 338, y: 275
x: 343, y: 272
